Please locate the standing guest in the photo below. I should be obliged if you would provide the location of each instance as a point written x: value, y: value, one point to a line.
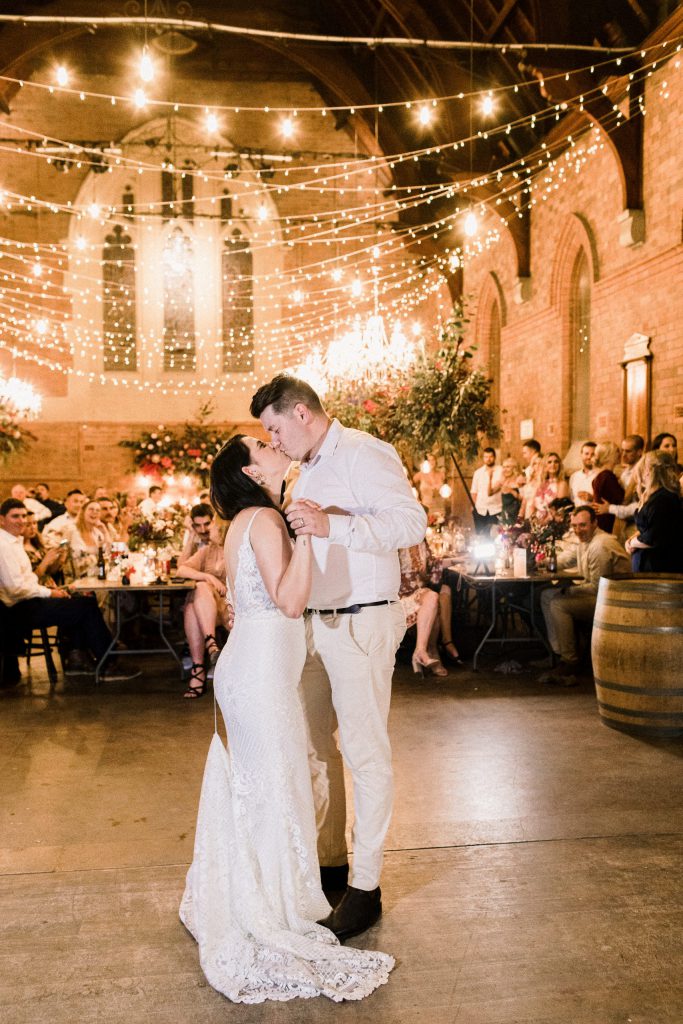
x: 354, y: 626
x: 553, y: 484
x: 668, y: 444
x: 99, y: 492
x: 86, y: 537
x: 151, y: 504
x: 81, y: 626
x: 199, y: 533
x: 509, y: 490
x: 632, y: 448
x: 205, y: 607
x: 606, y: 486
x: 581, y: 481
x: 658, y: 544
x: 598, y: 554
x: 60, y: 528
x: 44, y: 563
x: 488, y: 503
x: 530, y: 477
x: 429, y: 481
x: 43, y: 495
x: 40, y: 511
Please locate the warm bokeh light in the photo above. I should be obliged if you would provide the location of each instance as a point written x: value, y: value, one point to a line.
x: 146, y: 69
x: 62, y: 76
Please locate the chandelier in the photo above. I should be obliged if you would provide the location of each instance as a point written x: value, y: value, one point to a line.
x: 19, y: 398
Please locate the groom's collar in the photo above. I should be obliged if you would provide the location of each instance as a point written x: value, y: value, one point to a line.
x: 328, y: 446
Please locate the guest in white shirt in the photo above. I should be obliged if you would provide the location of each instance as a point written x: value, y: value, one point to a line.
x: 488, y: 501
x: 33, y: 605
x: 60, y: 528
x: 581, y: 482
x: 352, y: 497
x: 151, y: 505
x: 40, y: 511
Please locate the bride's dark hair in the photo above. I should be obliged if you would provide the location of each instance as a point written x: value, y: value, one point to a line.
x: 231, y: 489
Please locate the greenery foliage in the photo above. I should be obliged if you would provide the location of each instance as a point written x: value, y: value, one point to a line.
x: 189, y: 451
x: 14, y: 437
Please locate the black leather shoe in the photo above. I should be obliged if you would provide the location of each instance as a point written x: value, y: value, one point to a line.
x: 357, y: 911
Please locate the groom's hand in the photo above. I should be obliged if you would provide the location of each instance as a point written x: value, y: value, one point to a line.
x: 308, y: 519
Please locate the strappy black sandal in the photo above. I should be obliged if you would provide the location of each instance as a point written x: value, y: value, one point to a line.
x: 198, y: 673
x: 212, y: 648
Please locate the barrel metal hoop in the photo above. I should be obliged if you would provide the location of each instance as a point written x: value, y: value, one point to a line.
x: 612, y: 603
x: 648, y: 691
x: 610, y: 627
x: 666, y: 715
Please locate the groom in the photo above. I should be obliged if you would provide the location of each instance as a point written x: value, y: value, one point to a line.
x: 353, y: 498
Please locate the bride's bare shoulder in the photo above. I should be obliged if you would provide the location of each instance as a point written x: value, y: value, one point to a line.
x: 267, y: 518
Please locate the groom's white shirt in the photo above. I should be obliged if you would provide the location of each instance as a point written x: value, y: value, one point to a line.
x: 362, y: 475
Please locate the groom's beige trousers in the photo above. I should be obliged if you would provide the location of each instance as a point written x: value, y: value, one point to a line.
x: 346, y: 686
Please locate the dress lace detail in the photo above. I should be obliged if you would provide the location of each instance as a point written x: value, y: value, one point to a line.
x: 252, y: 895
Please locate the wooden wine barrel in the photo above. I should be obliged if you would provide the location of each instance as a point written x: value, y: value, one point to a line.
x: 637, y: 652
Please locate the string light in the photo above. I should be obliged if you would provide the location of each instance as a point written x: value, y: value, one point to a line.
x: 62, y: 76
x: 287, y: 127
x: 487, y: 104
x: 425, y: 115
x: 146, y: 69
x: 211, y: 122
x: 139, y: 98
x: 470, y: 224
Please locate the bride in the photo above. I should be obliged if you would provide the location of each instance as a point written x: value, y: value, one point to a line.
x: 253, y: 896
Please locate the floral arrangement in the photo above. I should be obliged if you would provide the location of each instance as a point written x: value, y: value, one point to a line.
x: 537, y: 535
x: 14, y: 437
x: 189, y: 451
x: 164, y: 529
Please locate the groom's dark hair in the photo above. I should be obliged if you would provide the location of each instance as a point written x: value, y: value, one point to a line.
x: 283, y: 393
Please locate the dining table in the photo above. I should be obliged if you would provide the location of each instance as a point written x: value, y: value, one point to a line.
x: 504, y: 595
x: 160, y: 589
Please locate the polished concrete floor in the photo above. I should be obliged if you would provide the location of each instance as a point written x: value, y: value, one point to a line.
x: 533, y: 871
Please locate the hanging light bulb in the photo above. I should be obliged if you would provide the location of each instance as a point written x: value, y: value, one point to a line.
x: 487, y: 104
x: 287, y: 127
x: 146, y: 69
x: 262, y: 212
x: 297, y: 296
x: 62, y: 76
x: 37, y: 269
x: 211, y: 122
x: 94, y: 210
x: 425, y: 115
x: 453, y: 261
x: 41, y: 326
x: 357, y: 288
x: 445, y: 490
x: 417, y: 329
x: 19, y: 397
x: 81, y: 243
x: 139, y: 98
x: 471, y: 224
x: 337, y: 274
x: 426, y: 466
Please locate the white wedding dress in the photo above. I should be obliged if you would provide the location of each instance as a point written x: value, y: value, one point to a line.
x: 253, y: 895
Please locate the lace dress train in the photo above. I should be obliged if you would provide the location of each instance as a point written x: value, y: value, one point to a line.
x: 253, y: 895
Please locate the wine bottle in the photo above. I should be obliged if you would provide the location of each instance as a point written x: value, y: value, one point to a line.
x: 101, y: 564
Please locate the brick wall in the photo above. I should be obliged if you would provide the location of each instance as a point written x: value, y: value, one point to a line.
x: 635, y: 289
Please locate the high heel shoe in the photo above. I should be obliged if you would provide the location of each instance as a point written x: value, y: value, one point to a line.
x: 198, y: 673
x: 451, y: 658
x: 212, y: 649
x: 430, y: 667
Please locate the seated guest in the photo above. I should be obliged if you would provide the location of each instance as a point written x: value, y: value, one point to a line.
x: 86, y: 536
x: 421, y: 606
x: 510, y: 496
x: 82, y: 628
x: 43, y: 495
x: 40, y: 511
x: 606, y: 487
x: 553, y: 484
x: 205, y: 607
x: 581, y: 482
x: 45, y: 563
x: 658, y: 544
x: 488, y: 503
x: 152, y: 504
x: 198, y: 535
x: 109, y: 516
x: 598, y: 554
x: 59, y: 528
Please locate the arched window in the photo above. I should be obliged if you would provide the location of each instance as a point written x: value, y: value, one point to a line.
x: 118, y: 301
x: 489, y: 322
x: 179, y: 330
x: 238, y: 304
x: 494, y: 355
x: 580, y: 327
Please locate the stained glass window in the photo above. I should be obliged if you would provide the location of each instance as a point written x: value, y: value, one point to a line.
x: 179, y: 330
x: 238, y: 304
x: 118, y: 301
